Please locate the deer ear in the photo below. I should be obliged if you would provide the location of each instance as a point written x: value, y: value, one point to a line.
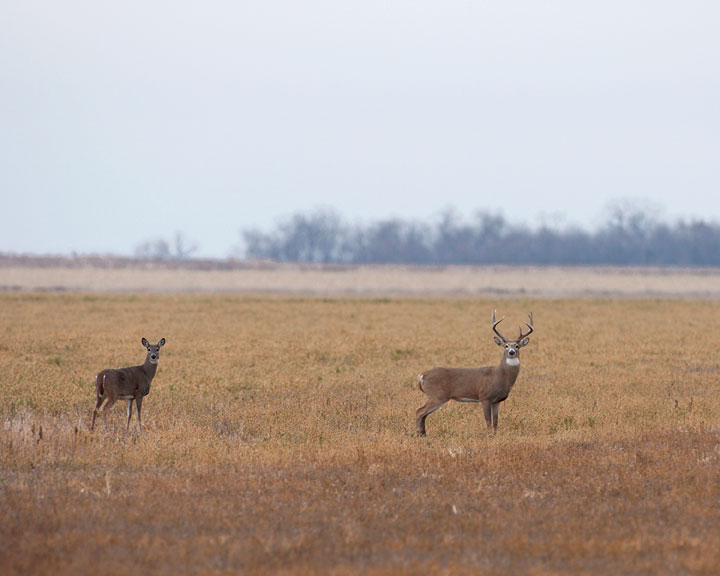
x: 498, y: 341
x: 161, y: 343
x: 524, y: 342
x: 145, y: 343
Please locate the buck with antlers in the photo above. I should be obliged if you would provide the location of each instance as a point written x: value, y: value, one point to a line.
x: 489, y: 385
x: 129, y: 384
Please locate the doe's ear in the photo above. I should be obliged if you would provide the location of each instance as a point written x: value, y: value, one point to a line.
x: 162, y: 342
x: 145, y: 343
x: 498, y: 341
x: 523, y: 342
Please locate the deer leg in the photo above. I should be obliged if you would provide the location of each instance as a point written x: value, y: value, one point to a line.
x: 106, y: 409
x: 424, y: 411
x: 138, y: 404
x: 487, y: 412
x: 95, y: 412
x: 495, y: 409
x: 129, y: 413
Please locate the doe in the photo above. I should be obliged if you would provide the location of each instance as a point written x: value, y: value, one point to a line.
x: 129, y: 384
x: 489, y: 384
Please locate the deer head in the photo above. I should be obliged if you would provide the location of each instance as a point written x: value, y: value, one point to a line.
x: 153, y: 350
x: 512, y: 347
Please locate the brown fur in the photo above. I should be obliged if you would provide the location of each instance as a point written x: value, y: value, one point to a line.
x: 129, y: 384
x: 488, y: 385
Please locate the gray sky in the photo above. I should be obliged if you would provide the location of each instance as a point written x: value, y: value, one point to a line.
x: 124, y: 121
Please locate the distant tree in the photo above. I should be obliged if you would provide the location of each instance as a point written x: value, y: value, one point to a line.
x: 392, y: 241
x: 318, y: 237
x: 179, y: 248
x: 157, y: 249
x: 454, y: 241
x: 182, y: 247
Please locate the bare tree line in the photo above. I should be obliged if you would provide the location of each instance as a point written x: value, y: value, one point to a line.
x: 159, y: 249
x: 628, y: 236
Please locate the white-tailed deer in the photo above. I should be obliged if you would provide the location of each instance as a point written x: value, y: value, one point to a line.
x: 129, y: 384
x: 489, y: 384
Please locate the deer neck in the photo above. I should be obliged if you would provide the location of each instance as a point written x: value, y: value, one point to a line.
x: 510, y: 364
x: 149, y: 368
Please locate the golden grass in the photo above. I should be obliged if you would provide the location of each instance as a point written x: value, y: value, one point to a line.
x: 279, y: 438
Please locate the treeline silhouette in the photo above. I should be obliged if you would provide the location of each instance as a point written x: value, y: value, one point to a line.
x: 627, y: 237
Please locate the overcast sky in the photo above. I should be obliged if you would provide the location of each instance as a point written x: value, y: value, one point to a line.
x: 124, y: 121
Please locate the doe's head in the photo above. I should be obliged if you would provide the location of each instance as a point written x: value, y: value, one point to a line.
x: 512, y: 347
x: 153, y: 350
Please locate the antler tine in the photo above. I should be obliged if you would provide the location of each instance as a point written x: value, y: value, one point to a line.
x: 530, y: 326
x: 495, y: 323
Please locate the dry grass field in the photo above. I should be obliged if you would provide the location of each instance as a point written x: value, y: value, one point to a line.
x: 123, y: 276
x: 278, y: 438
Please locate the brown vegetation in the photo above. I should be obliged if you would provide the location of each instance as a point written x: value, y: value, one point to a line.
x: 127, y: 276
x: 279, y: 438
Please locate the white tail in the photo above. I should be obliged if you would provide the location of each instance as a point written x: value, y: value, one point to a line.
x: 489, y: 384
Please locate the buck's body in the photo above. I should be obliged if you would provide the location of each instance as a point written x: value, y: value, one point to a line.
x: 488, y: 385
x: 129, y: 384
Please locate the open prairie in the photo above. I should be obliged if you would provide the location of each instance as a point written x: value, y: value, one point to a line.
x: 117, y: 275
x: 278, y: 437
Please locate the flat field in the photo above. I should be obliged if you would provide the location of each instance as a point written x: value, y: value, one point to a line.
x: 337, y: 280
x: 278, y: 438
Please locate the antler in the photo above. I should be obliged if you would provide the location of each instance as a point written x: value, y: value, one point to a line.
x: 495, y: 327
x: 529, y: 326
